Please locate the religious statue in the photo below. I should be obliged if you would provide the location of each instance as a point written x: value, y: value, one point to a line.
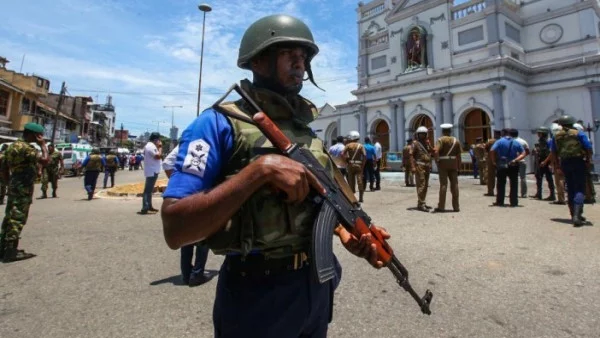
x: 415, y: 50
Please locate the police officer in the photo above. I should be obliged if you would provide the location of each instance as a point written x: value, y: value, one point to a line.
x: 371, y: 162
x: 112, y: 163
x: 480, y: 156
x: 93, y: 165
x: 447, y: 157
x: 421, y: 165
x: 409, y: 175
x: 226, y: 190
x: 541, y: 152
x: 52, y: 171
x: 574, y: 150
x: 505, y: 155
x: 355, y: 156
x: 491, y: 168
x: 20, y: 163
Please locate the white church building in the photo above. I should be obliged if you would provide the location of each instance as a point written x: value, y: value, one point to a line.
x: 482, y: 65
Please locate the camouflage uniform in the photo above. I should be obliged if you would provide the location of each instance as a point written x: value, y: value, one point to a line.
x: 421, y: 161
x: 21, y: 158
x: 409, y: 176
x: 2, y: 182
x: 448, y: 150
x: 491, y: 168
x: 356, y: 156
x: 50, y: 173
x: 112, y: 163
x: 480, y: 155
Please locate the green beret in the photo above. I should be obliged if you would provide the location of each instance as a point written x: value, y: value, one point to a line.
x: 34, y: 127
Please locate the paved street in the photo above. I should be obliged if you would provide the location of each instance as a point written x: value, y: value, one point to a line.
x: 104, y: 271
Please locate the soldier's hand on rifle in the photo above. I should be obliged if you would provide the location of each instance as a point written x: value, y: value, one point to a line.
x: 289, y: 176
x: 363, y: 247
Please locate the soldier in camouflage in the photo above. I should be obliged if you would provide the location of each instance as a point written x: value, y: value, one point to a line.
x: 112, y: 163
x: 20, y: 164
x: 421, y: 156
x: 481, y: 157
x: 52, y: 171
x: 93, y: 164
x: 541, y: 152
x: 3, y: 183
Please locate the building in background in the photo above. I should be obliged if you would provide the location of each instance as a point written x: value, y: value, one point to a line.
x: 102, y: 123
x: 482, y: 65
x: 121, y: 136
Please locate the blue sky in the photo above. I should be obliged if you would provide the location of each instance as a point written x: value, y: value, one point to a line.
x: 146, y: 52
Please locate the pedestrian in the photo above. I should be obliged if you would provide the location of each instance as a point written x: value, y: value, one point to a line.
x: 369, y: 170
x: 491, y: 166
x: 93, y: 164
x: 481, y: 160
x: 574, y: 151
x: 421, y: 165
x: 474, y: 162
x: 409, y: 175
x: 168, y: 164
x: 447, y: 157
x: 3, y: 183
x: 336, y: 152
x: 523, y: 165
x: 265, y: 286
x: 52, y: 171
x: 152, y: 151
x: 505, y: 155
x: 139, y: 161
x: 356, y: 157
x: 122, y: 161
x: 112, y: 163
x: 19, y: 169
x: 541, y: 152
x: 378, y: 164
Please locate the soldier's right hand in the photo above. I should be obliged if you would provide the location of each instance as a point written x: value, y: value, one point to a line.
x: 39, y: 139
x: 289, y: 176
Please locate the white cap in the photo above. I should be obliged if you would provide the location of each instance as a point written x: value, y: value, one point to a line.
x: 578, y: 126
x: 555, y: 127
x: 421, y: 129
x: 446, y: 126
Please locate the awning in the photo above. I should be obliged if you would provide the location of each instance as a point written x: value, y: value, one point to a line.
x: 53, y: 111
x: 5, y: 84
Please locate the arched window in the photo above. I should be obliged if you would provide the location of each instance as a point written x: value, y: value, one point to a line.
x: 382, y: 134
x: 477, y: 124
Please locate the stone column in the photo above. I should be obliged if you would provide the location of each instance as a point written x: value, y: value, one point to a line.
x: 594, y: 89
x: 497, y: 90
x: 429, y: 50
x: 438, y: 114
x: 362, y: 122
x: 397, y: 127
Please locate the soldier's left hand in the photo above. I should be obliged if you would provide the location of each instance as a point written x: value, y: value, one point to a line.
x: 363, y: 246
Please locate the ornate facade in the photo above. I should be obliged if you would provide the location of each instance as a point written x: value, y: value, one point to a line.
x: 482, y: 65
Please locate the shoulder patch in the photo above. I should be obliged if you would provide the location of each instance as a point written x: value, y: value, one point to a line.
x: 196, y: 157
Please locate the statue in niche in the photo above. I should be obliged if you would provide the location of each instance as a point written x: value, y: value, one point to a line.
x: 416, y: 50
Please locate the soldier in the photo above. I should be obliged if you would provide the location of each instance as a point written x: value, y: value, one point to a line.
x: 421, y: 165
x: 447, y: 157
x: 541, y: 152
x: 264, y: 277
x: 409, y: 175
x: 356, y: 157
x: 112, y: 163
x: 491, y: 167
x: 2, y: 181
x: 52, y: 171
x: 480, y: 156
x: 590, y: 191
x: 559, y: 177
x: 93, y: 165
x: 20, y: 163
x: 574, y: 150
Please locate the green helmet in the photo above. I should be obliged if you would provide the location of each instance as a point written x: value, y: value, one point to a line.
x: 566, y: 120
x: 95, y: 151
x: 543, y: 130
x: 271, y: 30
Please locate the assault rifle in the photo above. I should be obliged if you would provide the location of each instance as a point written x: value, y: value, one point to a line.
x: 338, y: 206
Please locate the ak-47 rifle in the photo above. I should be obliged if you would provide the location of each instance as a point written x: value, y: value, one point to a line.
x: 338, y: 205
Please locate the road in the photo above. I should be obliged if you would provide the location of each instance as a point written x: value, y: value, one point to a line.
x: 102, y: 270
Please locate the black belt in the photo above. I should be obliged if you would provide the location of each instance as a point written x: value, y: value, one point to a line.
x: 259, y: 265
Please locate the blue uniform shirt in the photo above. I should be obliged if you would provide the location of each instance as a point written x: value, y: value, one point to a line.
x: 370, y: 149
x: 581, y: 136
x: 206, y: 146
x: 502, y: 146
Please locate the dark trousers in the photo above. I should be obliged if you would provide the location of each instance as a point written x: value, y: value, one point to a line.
x: 378, y: 174
x: 475, y: 168
x: 369, y: 174
x: 89, y: 180
x: 148, y: 189
x: 512, y: 173
x: 110, y: 172
x: 540, y: 173
x: 289, y: 304
x: 574, y: 170
x: 187, y: 253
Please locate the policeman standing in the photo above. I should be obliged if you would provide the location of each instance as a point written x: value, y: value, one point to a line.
x: 93, y: 165
x: 574, y: 150
x: 480, y: 156
x: 505, y: 155
x: 265, y: 287
x: 491, y: 167
x: 355, y: 155
x: 52, y: 171
x: 112, y: 163
x: 20, y: 163
x: 409, y: 175
x: 369, y: 172
x: 421, y: 165
x: 447, y: 156
x: 541, y: 152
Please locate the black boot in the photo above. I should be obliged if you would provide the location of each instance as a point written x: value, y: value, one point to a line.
x: 90, y: 195
x: 54, y: 194
x: 43, y: 195
x: 552, y: 196
x: 2, y: 247
x: 576, y: 217
x: 11, y: 254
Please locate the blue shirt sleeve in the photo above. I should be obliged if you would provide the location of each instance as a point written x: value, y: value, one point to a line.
x: 552, y: 145
x: 206, y: 145
x: 584, y: 140
x: 104, y: 161
x: 85, y: 161
x: 496, y: 145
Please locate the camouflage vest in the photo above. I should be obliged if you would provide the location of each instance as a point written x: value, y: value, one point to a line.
x: 543, y: 151
x: 94, y: 164
x: 567, y: 144
x: 54, y: 162
x: 22, y: 158
x: 265, y: 222
x: 111, y: 161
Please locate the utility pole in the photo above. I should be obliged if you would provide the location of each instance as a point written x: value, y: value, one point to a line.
x: 172, y: 114
x: 121, y: 138
x: 63, y: 90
